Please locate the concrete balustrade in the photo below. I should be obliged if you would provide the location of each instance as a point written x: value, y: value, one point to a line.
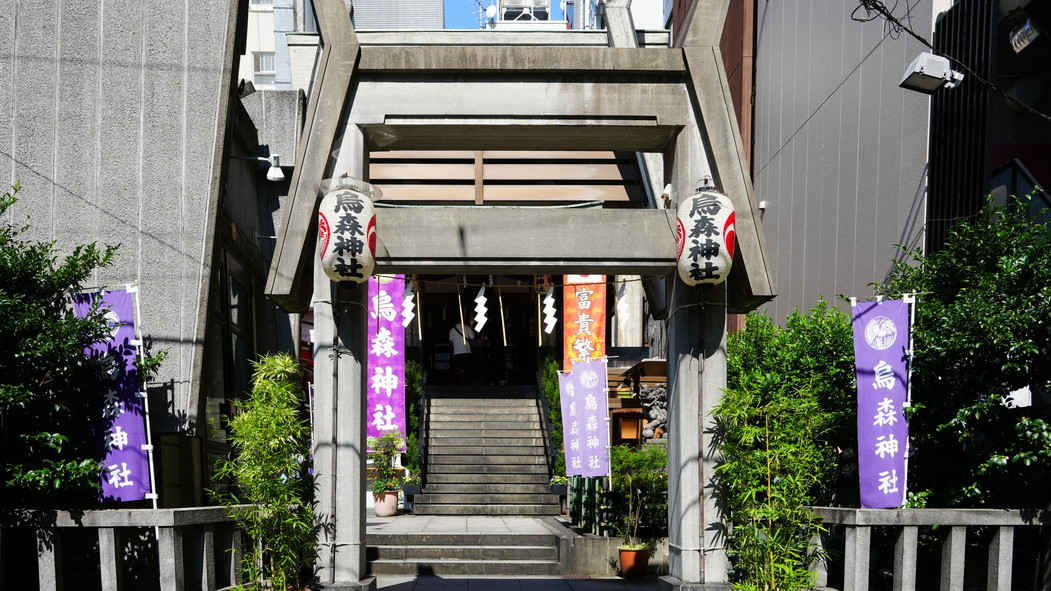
x: 197, y: 548
x: 858, y: 524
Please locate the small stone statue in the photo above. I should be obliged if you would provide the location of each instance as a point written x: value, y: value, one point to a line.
x: 655, y: 409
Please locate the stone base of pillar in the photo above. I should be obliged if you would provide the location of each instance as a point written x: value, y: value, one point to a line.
x: 670, y: 583
x: 368, y: 584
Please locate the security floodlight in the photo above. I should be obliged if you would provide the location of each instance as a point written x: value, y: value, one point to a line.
x: 275, y: 173
x: 929, y: 73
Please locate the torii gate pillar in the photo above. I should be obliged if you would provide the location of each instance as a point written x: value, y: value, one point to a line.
x: 696, y: 380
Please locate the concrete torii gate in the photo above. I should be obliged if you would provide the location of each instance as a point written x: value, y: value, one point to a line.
x: 423, y: 91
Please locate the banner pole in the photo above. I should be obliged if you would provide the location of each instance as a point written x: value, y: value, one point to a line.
x: 503, y: 320
x: 910, y: 299
x: 459, y: 308
x: 134, y: 291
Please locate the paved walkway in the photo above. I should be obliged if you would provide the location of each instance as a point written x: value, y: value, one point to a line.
x: 441, y: 524
x: 453, y: 524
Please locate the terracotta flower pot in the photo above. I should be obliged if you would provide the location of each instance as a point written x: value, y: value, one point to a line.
x: 386, y: 503
x: 633, y: 563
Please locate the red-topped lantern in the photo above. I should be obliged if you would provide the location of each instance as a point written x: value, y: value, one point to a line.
x: 705, y: 234
x: 347, y: 231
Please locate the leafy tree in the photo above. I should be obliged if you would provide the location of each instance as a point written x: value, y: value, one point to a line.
x: 48, y: 384
x: 983, y: 331
x: 785, y: 428
x: 638, y: 498
x: 549, y: 385
x: 773, y: 453
x: 813, y: 352
x: 271, y: 441
x: 413, y: 412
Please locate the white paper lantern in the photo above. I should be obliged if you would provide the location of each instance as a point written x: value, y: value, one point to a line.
x: 347, y: 235
x: 705, y: 235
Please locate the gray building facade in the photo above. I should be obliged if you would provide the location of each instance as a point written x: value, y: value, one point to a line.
x: 122, y: 124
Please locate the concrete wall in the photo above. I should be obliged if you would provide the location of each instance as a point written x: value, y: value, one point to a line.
x: 840, y: 150
x: 113, y: 113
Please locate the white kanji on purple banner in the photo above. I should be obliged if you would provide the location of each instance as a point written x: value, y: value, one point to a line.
x: 881, y: 341
x: 121, y: 416
x: 386, y: 357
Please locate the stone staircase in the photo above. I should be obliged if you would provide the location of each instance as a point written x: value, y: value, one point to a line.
x: 463, y: 554
x: 485, y: 454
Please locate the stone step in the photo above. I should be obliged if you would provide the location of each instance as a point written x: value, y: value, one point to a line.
x: 483, y: 460
x: 485, y: 499
x: 517, y: 510
x: 449, y: 417
x: 483, y: 406
x: 539, y: 477
x: 518, y: 431
x: 486, y: 450
x: 465, y: 567
x: 486, y: 487
x: 461, y: 539
x: 476, y: 442
x: 480, y: 405
x: 496, y: 424
x: 461, y: 392
x: 468, y: 469
x: 400, y: 551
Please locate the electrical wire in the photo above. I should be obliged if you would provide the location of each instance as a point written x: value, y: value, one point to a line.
x: 875, y: 9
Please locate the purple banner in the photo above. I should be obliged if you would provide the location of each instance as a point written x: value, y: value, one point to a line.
x: 585, y: 407
x: 121, y: 420
x: 386, y: 356
x: 881, y: 339
x: 570, y: 426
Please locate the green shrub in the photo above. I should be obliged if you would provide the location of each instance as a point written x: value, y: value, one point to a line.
x: 270, y: 441
x: 637, y: 503
x: 48, y: 385
x: 785, y: 428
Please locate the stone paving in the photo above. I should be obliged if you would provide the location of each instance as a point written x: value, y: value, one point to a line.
x: 481, y: 583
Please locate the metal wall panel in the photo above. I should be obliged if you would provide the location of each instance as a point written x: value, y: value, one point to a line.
x: 960, y: 119
x: 839, y: 148
x: 402, y: 15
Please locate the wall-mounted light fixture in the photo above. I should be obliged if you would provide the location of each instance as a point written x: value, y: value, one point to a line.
x: 929, y: 73
x: 274, y: 173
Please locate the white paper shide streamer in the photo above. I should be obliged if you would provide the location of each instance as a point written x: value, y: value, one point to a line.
x: 480, y: 309
x: 705, y: 235
x: 347, y: 236
x: 550, y: 314
x: 408, y: 305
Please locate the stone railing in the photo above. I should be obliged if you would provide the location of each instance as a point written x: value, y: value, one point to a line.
x: 198, y: 549
x: 858, y: 524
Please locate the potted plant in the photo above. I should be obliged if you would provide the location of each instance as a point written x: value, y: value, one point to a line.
x: 636, y: 475
x: 270, y: 486
x: 559, y: 485
x: 385, y: 483
x: 411, y: 484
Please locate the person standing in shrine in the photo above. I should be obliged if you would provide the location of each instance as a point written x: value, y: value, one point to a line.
x: 460, y: 338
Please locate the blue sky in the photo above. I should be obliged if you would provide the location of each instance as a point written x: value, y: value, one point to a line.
x: 463, y: 14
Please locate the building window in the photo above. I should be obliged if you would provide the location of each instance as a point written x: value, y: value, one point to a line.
x: 262, y: 2
x: 309, y: 18
x: 264, y: 72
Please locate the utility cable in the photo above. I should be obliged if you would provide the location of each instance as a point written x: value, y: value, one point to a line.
x: 880, y: 9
